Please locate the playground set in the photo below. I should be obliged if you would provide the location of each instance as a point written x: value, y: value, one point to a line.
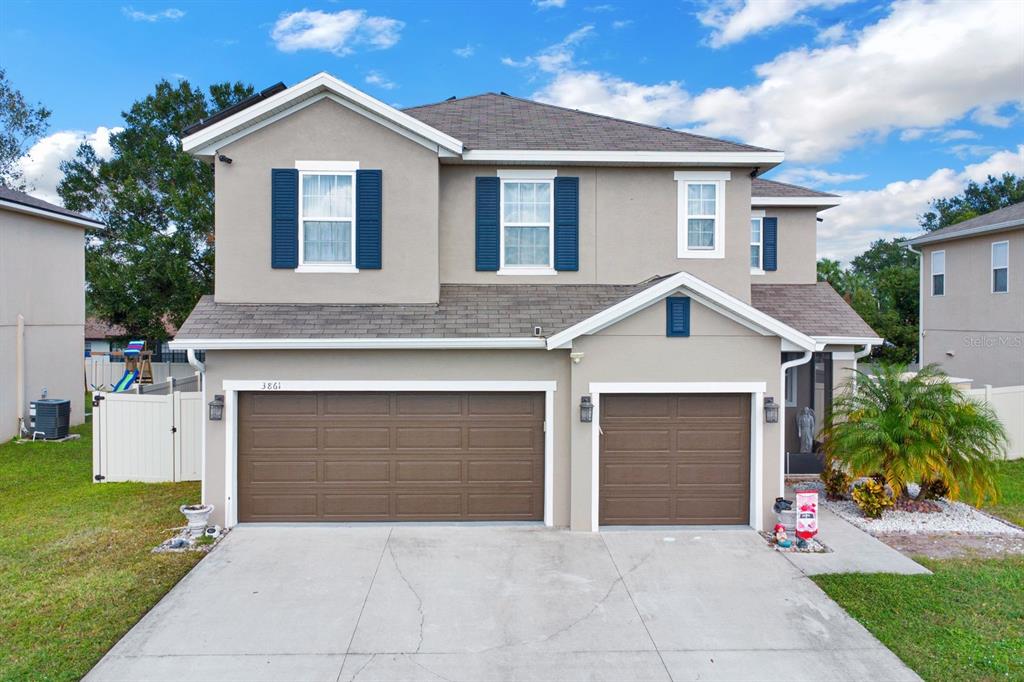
x: 138, y: 367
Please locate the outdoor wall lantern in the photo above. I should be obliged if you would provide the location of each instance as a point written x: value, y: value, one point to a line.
x: 586, y: 409
x: 771, y: 411
x: 217, y: 408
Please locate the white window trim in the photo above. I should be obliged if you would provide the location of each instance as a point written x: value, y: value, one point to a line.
x: 932, y: 273
x: 305, y: 168
x: 992, y: 271
x: 789, y: 396
x: 684, y: 179
x: 538, y: 176
x: 759, y: 217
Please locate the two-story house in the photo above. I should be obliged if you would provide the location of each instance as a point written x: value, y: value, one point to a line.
x: 494, y: 309
x: 972, y: 297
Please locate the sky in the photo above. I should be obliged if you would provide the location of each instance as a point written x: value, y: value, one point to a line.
x: 889, y: 104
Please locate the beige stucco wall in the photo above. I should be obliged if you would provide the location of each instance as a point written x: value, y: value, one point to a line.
x: 628, y: 229
x: 42, y: 278
x: 327, y: 131
x: 797, y: 247
x: 983, y: 330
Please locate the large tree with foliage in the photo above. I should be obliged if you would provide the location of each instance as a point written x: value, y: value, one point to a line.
x: 155, y: 258
x: 20, y: 125
x: 975, y: 200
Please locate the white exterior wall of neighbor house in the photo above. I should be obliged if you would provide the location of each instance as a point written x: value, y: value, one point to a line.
x: 52, y: 301
x: 969, y: 330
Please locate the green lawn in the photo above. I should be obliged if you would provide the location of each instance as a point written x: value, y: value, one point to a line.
x: 76, y: 570
x: 965, y: 622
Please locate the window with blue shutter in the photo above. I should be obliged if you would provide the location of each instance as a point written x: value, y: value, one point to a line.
x: 487, y: 225
x: 770, y: 227
x: 567, y: 223
x: 677, y: 314
x: 369, y: 214
x: 284, y: 218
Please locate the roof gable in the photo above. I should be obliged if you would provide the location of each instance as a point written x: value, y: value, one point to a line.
x: 21, y: 202
x: 1006, y: 218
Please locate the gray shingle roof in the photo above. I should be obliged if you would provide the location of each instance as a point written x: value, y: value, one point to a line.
x: 493, y: 121
x: 814, y: 309
x: 13, y: 195
x: 1003, y: 218
x: 759, y: 187
x: 464, y: 311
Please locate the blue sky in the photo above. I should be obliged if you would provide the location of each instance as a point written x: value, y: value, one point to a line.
x: 888, y: 104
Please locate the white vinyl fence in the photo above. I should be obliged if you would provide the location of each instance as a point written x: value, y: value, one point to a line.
x: 147, y: 437
x: 1008, y: 403
x: 101, y: 373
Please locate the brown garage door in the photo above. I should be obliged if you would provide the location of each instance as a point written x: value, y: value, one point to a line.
x: 391, y: 456
x: 675, y: 459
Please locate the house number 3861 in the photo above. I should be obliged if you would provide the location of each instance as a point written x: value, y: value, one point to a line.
x: 271, y: 385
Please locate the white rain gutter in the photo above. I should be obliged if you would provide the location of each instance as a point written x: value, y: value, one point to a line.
x: 920, y: 304
x: 802, y: 360
x: 194, y: 361
x: 19, y: 373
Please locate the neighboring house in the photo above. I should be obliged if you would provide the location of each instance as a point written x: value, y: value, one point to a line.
x: 42, y: 301
x: 102, y: 338
x: 972, y: 297
x: 495, y: 309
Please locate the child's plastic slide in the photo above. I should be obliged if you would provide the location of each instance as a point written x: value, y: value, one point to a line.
x: 126, y: 381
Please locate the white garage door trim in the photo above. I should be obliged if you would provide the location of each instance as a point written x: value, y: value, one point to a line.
x: 233, y: 387
x: 756, y: 389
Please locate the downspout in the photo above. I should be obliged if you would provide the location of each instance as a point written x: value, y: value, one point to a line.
x: 920, y: 305
x: 196, y: 363
x: 802, y: 360
x: 857, y: 356
x: 19, y: 374
x: 200, y: 367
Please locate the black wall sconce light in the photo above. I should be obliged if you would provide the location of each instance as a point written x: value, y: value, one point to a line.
x: 771, y: 411
x: 586, y: 409
x: 216, y: 408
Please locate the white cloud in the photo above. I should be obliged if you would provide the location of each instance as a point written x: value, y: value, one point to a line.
x: 41, y: 165
x: 892, y: 211
x: 957, y: 134
x: 380, y: 80
x: 621, y: 23
x: 989, y: 115
x: 735, y: 20
x: 549, y: 4
x: 918, y: 67
x: 911, y: 134
x: 465, y: 52
x: 554, y: 58
x: 967, y: 151
x: 171, y: 13
x: 815, y: 177
x: 832, y: 34
x: 335, y: 32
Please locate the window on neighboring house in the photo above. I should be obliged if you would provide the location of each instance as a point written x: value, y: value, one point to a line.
x: 327, y: 213
x: 756, y: 243
x: 1000, y: 267
x: 938, y: 273
x: 527, y: 218
x: 791, y: 377
x: 701, y: 213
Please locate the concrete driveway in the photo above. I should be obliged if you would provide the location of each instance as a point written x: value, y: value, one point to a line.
x: 429, y: 602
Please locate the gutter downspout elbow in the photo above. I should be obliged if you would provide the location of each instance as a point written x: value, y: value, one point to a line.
x: 802, y: 360
x: 199, y: 366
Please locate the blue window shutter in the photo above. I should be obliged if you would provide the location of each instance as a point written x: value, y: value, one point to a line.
x: 369, y: 213
x: 677, y: 314
x: 284, y: 218
x: 567, y: 223
x: 770, y: 227
x: 487, y: 239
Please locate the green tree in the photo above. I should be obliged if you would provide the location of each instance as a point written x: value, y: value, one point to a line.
x: 20, y: 125
x: 975, y: 200
x: 915, y: 428
x: 155, y: 258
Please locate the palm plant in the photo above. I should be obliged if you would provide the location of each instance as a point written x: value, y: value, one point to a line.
x: 915, y: 428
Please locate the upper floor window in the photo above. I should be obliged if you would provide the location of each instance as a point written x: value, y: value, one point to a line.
x: 327, y: 211
x: 1000, y: 267
x: 701, y: 213
x: 938, y: 273
x: 527, y: 222
x: 756, y: 242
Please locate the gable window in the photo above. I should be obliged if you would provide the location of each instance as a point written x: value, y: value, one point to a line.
x: 1000, y: 267
x: 327, y: 218
x: 938, y: 273
x: 701, y: 213
x: 756, y: 243
x: 527, y: 222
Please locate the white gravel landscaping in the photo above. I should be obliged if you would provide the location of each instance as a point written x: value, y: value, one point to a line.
x: 954, y: 517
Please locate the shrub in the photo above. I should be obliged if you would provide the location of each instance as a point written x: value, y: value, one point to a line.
x: 933, y: 489
x: 915, y: 427
x: 872, y: 498
x: 836, y: 480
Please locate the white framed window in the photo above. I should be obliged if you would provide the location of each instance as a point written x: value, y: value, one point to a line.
x: 701, y: 213
x: 938, y: 273
x: 757, y: 243
x: 1000, y: 267
x: 527, y: 235
x: 327, y: 216
x: 791, y: 380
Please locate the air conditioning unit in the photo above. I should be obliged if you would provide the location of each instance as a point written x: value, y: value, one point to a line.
x: 50, y: 416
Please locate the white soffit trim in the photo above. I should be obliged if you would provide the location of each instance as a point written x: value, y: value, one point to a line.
x: 825, y: 202
x: 321, y: 83
x: 679, y: 158
x: 49, y: 215
x: 349, y: 343
x: 698, y: 289
x: 822, y: 341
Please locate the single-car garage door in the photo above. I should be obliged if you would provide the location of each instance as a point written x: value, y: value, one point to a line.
x: 675, y: 459
x: 390, y: 456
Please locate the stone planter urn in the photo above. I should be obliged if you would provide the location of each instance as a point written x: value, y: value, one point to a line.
x: 197, y: 516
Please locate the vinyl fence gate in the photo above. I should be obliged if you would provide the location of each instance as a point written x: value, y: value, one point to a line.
x: 149, y: 438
